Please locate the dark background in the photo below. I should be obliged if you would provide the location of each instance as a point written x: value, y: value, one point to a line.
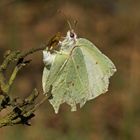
x: 113, y: 26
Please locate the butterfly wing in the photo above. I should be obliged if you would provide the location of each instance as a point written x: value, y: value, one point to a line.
x: 79, y: 76
x: 50, y: 75
x: 99, y: 68
x: 69, y: 79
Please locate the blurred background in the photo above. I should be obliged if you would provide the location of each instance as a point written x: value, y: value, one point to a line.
x: 114, y: 27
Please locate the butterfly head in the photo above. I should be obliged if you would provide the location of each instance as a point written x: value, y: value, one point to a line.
x: 71, y: 35
x: 69, y: 41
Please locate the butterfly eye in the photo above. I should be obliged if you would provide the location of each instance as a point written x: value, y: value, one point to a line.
x: 72, y: 34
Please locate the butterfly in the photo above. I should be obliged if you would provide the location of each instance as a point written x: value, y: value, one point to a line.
x: 78, y: 72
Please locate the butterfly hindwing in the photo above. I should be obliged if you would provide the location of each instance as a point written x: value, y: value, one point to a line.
x: 70, y: 84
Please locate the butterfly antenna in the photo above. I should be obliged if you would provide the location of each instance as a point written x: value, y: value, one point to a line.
x: 75, y: 23
x: 65, y: 17
x: 69, y: 24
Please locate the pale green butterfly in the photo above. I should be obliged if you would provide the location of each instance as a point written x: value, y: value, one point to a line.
x: 78, y: 72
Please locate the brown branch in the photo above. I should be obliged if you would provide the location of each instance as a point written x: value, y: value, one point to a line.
x: 33, y: 50
x: 23, y: 111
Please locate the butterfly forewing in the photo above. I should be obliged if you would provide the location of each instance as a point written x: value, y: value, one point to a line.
x: 104, y: 62
x: 99, y: 68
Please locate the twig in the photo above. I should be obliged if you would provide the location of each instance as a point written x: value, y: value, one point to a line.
x: 24, y: 111
x: 33, y: 50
